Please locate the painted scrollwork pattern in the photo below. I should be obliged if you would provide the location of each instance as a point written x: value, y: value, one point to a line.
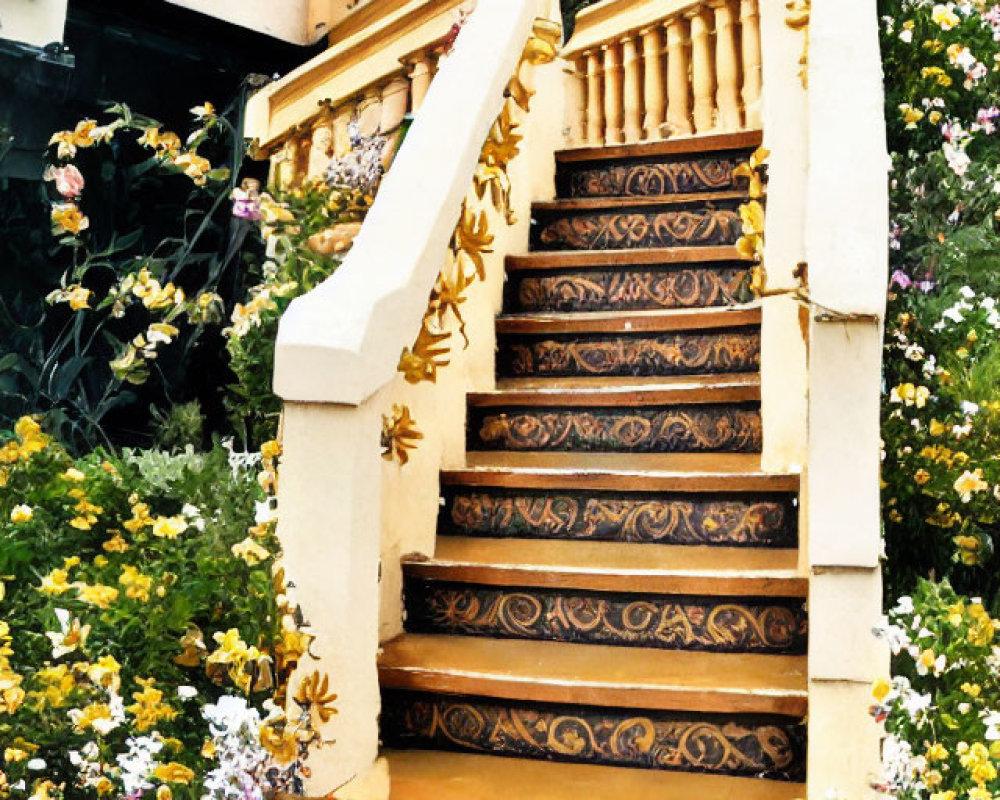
x: 675, y: 353
x: 646, y: 179
x: 632, y: 290
x: 718, y: 624
x: 698, y: 428
x: 672, y: 519
x: 764, y: 746
x: 629, y: 229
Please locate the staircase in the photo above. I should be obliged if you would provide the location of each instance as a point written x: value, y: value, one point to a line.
x: 614, y: 604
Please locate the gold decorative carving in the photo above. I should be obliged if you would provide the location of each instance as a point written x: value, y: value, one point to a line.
x: 472, y: 238
x: 799, y: 12
x: 399, y: 435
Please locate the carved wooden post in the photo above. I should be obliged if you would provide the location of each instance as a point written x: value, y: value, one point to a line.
x: 420, y: 80
x: 595, y: 100
x: 395, y: 95
x: 752, y: 78
x: 341, y: 136
x: 301, y: 138
x: 321, y: 150
x: 702, y: 72
x: 576, y: 101
x: 727, y: 68
x: 370, y: 111
x: 654, y: 97
x: 631, y: 90
x: 678, y: 89
x: 612, y: 94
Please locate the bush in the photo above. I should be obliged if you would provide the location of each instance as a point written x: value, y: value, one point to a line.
x: 140, y: 602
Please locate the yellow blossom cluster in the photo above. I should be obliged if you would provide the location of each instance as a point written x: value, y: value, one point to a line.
x: 149, y: 708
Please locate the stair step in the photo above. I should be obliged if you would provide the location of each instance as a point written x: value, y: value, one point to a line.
x: 768, y: 746
x: 600, y: 675
x: 678, y: 145
x: 697, y: 220
x: 438, y: 775
x: 570, y: 513
x: 643, y: 343
x: 678, y: 416
x: 650, y: 256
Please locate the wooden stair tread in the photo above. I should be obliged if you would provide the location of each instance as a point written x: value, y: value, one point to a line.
x: 613, y: 567
x: 635, y: 201
x: 679, y: 145
x: 440, y: 775
x: 596, y: 675
x: 629, y: 322
x: 680, y: 472
x: 734, y: 388
x: 566, y: 259
x: 639, y: 382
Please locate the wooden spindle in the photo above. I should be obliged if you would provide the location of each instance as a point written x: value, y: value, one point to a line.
x: 613, y: 112
x: 654, y: 97
x: 595, y: 100
x: 341, y: 129
x: 631, y: 89
x: 576, y: 101
x: 321, y: 150
x: 678, y: 87
x: 370, y: 111
x: 727, y: 67
x: 303, y: 148
x: 395, y: 98
x: 752, y: 76
x: 420, y: 79
x: 702, y: 72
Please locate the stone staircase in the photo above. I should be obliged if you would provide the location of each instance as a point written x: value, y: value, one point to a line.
x: 614, y: 603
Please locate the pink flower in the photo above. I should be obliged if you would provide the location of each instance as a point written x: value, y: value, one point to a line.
x: 69, y: 180
x: 900, y: 279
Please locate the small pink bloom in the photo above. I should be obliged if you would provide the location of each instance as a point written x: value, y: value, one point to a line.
x: 901, y: 279
x: 69, y: 180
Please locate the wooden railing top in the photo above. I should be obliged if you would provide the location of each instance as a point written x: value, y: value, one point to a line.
x: 370, y: 45
x: 610, y: 19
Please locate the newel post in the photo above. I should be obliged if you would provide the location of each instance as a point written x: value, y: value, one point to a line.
x: 846, y: 235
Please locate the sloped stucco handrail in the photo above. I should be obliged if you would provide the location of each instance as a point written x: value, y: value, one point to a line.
x: 341, y: 342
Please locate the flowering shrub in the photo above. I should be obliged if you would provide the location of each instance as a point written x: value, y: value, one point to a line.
x: 942, y: 707
x: 146, y: 638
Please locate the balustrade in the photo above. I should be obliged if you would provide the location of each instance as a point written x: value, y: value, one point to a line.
x: 645, y: 71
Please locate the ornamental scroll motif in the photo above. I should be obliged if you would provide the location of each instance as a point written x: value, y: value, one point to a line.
x: 472, y: 238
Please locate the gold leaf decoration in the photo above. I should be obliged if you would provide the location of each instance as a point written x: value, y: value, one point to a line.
x: 399, y: 434
x: 314, y: 695
x: 472, y: 238
x: 799, y: 12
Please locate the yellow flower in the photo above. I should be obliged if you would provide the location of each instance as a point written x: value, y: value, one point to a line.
x: 70, y: 637
x: 116, y: 544
x: 911, y: 116
x: 194, y: 166
x: 936, y: 752
x: 169, y: 527
x: 969, y: 482
x: 250, y: 551
x: 284, y: 746
x: 881, y: 689
x: 944, y: 17
x: 81, y: 523
x: 936, y: 428
x: 14, y: 754
x: 166, y: 142
x: 936, y: 74
x: 149, y: 708
x: 96, y: 716
x: 21, y: 513
x: 68, y: 217
x: 270, y: 449
x: 173, y: 773
x: 55, y: 583
x: 934, y: 117
x: 96, y: 595
x: 921, y: 476
x: 140, y: 518
x: 136, y: 584
x: 164, y: 793
x: 971, y: 689
x: 106, y: 672
x: 73, y: 474
x: 932, y: 778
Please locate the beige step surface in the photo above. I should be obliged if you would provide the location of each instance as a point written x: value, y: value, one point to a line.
x: 679, y: 145
x: 682, y: 319
x: 430, y: 775
x: 635, y: 201
x: 570, y: 259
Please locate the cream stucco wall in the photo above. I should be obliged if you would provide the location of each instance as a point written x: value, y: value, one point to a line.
x: 34, y: 22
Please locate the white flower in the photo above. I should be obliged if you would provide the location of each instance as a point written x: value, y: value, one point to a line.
x: 969, y: 408
x: 967, y: 292
x: 265, y: 512
x: 36, y: 764
x: 903, y: 606
x: 186, y: 692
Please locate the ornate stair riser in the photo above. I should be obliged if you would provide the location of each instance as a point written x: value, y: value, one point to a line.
x: 625, y: 289
x: 651, y: 354
x: 669, y: 622
x: 763, y: 746
x: 700, y: 225
x: 651, y: 177
x: 750, y: 520
x: 730, y: 428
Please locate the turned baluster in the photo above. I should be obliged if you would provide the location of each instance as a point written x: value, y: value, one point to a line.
x: 654, y: 98
x: 395, y: 96
x: 576, y: 101
x: 612, y: 94
x: 632, y: 89
x: 321, y: 149
x: 727, y: 68
x: 420, y: 79
x: 702, y: 72
x: 303, y: 148
x: 678, y: 88
x: 370, y: 111
x: 752, y: 77
x: 595, y: 100
x: 341, y: 130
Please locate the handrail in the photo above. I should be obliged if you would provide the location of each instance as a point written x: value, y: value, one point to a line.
x: 341, y: 342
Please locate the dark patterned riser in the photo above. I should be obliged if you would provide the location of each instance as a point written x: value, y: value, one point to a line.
x: 625, y: 289
x: 762, y: 746
x: 730, y: 428
x: 635, y: 354
x: 697, y: 226
x: 678, y: 519
x: 650, y: 177
x: 668, y: 622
